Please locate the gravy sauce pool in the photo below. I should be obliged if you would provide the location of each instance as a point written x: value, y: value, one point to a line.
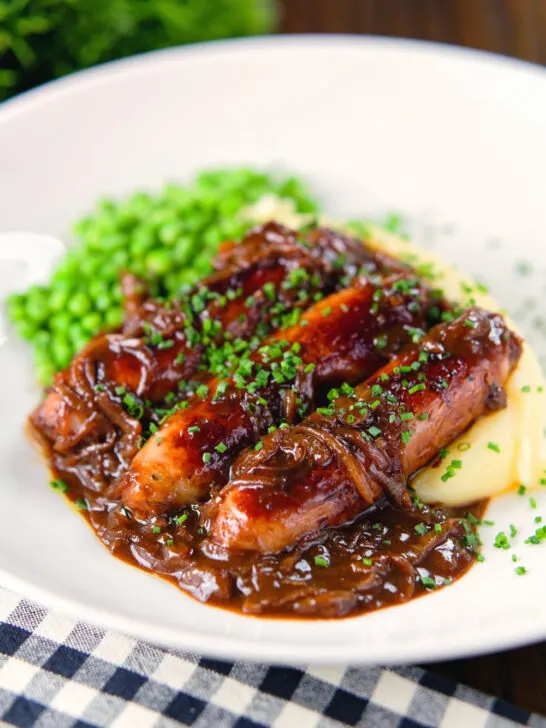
x: 384, y: 558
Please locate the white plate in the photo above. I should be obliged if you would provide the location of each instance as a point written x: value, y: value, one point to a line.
x: 457, y: 139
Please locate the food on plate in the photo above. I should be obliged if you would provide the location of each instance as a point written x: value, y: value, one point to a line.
x: 367, y: 443
x: 168, y: 238
x: 304, y: 431
x: 342, y: 338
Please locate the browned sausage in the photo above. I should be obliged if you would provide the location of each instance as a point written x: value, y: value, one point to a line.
x: 271, y: 275
x: 346, y: 336
x: 337, y: 463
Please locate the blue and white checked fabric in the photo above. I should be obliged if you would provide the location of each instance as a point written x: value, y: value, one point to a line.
x: 58, y: 673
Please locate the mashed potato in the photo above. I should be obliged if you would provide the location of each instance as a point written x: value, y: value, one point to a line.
x: 502, y: 450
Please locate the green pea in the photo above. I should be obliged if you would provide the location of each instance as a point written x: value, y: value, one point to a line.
x: 113, y: 318
x: 15, y: 306
x: 80, y: 342
x: 158, y: 262
x: 182, y: 250
x: 112, y: 242
x: 103, y: 302
x: 171, y: 283
x: 169, y: 233
x: 109, y: 271
x: 90, y: 267
x: 58, y: 298
x: 26, y: 329
x: 212, y: 238
x: 60, y: 322
x: 75, y: 332
x: 139, y: 268
x: 79, y: 304
x: 120, y: 259
x: 61, y: 352
x: 97, y: 288
x: 91, y: 322
x: 44, y: 372
x: 116, y: 293
x: 41, y: 340
x: 141, y: 241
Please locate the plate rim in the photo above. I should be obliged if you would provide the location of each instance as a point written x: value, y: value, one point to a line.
x: 193, y: 51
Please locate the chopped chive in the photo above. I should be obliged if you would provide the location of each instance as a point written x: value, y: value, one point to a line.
x: 59, y: 485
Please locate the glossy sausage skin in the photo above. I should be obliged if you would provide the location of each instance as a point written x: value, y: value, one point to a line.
x: 333, y: 466
x: 346, y: 337
x: 161, y: 344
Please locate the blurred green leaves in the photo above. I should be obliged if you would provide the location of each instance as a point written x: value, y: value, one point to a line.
x: 44, y: 39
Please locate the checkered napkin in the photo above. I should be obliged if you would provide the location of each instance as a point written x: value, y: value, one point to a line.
x: 56, y: 673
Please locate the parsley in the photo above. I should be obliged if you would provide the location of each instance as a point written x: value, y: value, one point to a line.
x: 156, y: 529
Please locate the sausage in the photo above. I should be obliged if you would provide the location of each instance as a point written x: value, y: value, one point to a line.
x: 338, y: 462
x: 271, y: 275
x: 343, y: 338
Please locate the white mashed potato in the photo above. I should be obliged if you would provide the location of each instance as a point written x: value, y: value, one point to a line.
x: 500, y: 451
